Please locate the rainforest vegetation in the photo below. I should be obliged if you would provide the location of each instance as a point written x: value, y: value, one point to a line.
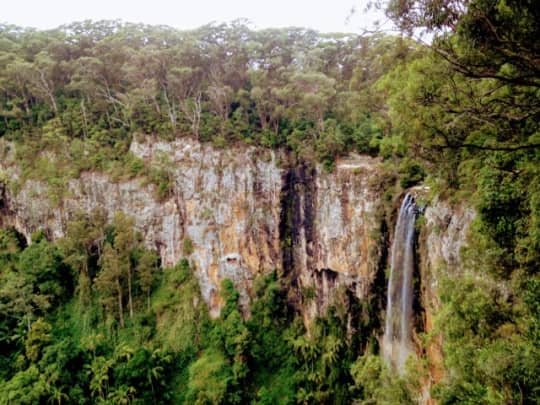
x: 94, y: 317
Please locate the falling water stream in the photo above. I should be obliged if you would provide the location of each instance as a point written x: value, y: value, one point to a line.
x: 397, y: 340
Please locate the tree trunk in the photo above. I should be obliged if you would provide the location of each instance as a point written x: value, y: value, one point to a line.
x: 130, y: 298
x: 85, y: 120
x: 48, y: 91
x: 120, y: 305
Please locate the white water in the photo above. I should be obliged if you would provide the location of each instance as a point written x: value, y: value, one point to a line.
x: 397, y: 340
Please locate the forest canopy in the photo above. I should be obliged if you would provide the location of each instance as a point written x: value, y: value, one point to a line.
x: 101, y: 82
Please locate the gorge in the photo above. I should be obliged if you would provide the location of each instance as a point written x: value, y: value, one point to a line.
x: 242, y: 214
x: 227, y: 215
x: 245, y: 215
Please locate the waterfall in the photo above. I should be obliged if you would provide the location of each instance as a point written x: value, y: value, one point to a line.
x: 397, y: 340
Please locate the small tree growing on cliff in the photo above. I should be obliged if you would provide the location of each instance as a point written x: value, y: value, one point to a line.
x: 147, y: 268
x: 109, y: 282
x: 125, y: 265
x: 125, y: 241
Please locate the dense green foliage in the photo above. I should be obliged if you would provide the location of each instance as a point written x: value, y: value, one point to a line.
x: 471, y: 109
x: 94, y: 319
x: 86, y: 88
x: 85, y: 332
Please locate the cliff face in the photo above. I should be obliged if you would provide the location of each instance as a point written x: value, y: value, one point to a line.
x: 441, y: 241
x: 335, y: 239
x: 235, y: 214
x: 239, y: 213
x: 222, y: 211
x: 225, y: 207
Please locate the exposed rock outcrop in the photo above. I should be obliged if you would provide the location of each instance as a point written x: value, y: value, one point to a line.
x: 336, y: 244
x: 441, y: 241
x: 235, y: 214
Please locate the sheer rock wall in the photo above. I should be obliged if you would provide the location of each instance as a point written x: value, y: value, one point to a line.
x: 441, y: 241
x: 235, y: 213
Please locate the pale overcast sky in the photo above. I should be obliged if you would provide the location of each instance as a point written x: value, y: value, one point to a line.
x: 322, y: 15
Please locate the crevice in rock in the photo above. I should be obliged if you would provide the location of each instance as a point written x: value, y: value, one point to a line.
x: 418, y: 282
x: 7, y: 215
x: 286, y: 220
x: 324, y: 283
x: 3, y: 204
x: 296, y: 227
x: 367, y: 314
x: 380, y: 283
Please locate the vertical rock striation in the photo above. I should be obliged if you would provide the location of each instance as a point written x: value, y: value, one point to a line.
x: 335, y: 246
x: 443, y: 236
x: 235, y: 214
x: 228, y: 207
x: 222, y: 210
